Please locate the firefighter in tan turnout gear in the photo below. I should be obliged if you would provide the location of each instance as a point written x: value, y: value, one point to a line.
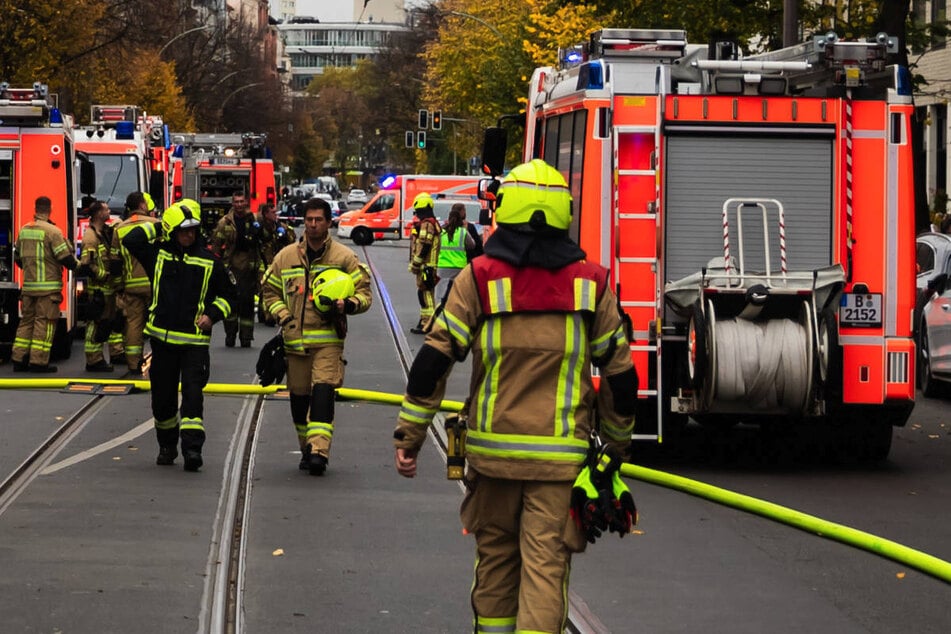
x: 134, y: 288
x: 309, y: 289
x: 95, y: 263
x: 424, y: 258
x: 535, y: 317
x: 236, y: 240
x: 42, y: 252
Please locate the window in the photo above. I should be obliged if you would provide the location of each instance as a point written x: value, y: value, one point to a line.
x: 925, y: 258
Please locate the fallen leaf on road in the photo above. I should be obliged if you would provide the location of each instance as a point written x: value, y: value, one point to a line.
x: 900, y: 575
x: 278, y: 553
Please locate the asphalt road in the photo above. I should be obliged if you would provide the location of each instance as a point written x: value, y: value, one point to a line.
x: 106, y: 541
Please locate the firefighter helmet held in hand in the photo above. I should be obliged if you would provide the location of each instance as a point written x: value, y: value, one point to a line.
x: 533, y: 192
x: 180, y: 216
x: 329, y: 286
x: 422, y: 201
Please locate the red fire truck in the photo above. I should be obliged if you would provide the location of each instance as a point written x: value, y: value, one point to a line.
x: 36, y: 159
x: 756, y: 215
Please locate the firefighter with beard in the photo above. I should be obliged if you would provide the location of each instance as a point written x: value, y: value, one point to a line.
x: 236, y: 240
x: 310, y: 289
x: 536, y: 317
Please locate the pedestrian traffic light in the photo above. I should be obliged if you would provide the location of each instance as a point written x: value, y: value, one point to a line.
x: 421, y: 140
x: 409, y: 138
x: 423, y: 118
x: 437, y: 120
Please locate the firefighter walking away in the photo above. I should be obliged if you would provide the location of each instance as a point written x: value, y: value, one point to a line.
x: 536, y: 316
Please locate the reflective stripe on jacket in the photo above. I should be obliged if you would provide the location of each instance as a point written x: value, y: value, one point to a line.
x: 41, y: 250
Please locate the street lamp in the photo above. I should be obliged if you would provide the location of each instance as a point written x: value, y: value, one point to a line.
x: 494, y: 30
x: 236, y: 91
x: 184, y: 33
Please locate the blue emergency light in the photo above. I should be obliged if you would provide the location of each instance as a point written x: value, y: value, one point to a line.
x: 125, y: 130
x: 387, y: 181
x: 56, y: 117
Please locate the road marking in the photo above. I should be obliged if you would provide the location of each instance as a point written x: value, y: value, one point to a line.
x: 98, y: 449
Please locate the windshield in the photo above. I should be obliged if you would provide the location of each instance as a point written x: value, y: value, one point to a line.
x: 117, y: 176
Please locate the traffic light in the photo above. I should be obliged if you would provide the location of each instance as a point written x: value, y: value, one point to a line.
x: 423, y: 118
x: 421, y: 140
x: 437, y: 120
x: 409, y: 138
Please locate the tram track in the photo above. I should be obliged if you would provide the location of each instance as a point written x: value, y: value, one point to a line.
x: 581, y: 620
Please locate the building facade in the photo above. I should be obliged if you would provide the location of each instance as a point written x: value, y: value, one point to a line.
x: 931, y: 100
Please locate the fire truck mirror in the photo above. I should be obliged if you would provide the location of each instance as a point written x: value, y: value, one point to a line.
x: 493, y: 151
x: 87, y: 175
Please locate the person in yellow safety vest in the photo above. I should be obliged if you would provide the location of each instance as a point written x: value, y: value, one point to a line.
x: 236, y: 240
x: 310, y: 289
x: 94, y: 263
x: 454, y: 245
x: 424, y: 257
x: 134, y: 290
x: 191, y: 290
x: 536, y: 316
x: 41, y: 252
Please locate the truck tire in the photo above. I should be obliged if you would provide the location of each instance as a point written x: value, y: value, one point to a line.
x: 927, y: 383
x: 361, y: 236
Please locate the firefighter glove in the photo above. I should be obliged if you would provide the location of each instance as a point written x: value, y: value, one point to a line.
x: 600, y: 500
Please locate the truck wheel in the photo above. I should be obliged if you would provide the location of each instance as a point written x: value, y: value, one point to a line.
x: 879, y: 441
x: 361, y: 236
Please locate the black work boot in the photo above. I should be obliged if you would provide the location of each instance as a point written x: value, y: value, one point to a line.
x: 21, y: 366
x: 229, y: 341
x: 100, y: 366
x: 192, y: 441
x: 45, y: 368
x: 304, y: 458
x: 317, y: 464
x: 166, y: 456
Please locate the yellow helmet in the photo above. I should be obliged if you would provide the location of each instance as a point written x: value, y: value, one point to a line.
x: 149, y: 203
x: 530, y: 188
x: 180, y: 216
x: 329, y: 286
x: 422, y: 200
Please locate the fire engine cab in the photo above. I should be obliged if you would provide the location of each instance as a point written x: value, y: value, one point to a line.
x: 36, y: 159
x: 756, y: 215
x: 130, y: 152
x: 210, y: 168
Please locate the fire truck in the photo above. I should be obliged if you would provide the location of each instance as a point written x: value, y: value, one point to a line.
x: 756, y: 216
x: 210, y: 168
x: 36, y: 159
x: 130, y: 152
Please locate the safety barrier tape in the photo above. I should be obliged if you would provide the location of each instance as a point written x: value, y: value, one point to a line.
x: 928, y: 564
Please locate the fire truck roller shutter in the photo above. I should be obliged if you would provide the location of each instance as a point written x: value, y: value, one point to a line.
x: 705, y: 170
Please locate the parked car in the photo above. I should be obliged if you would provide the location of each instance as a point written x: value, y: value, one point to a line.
x: 356, y: 196
x: 337, y: 207
x: 933, y: 312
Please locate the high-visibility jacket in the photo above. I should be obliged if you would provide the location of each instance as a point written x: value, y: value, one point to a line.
x: 42, y: 252
x: 95, y: 254
x: 452, y: 250
x: 134, y: 278
x: 286, y: 289
x: 534, y: 334
x: 185, y: 285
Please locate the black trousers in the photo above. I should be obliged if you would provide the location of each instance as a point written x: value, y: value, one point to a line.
x: 172, y: 364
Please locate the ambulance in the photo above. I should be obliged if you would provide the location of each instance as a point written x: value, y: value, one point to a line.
x: 36, y: 159
x: 757, y: 218
x: 388, y: 215
x: 210, y: 168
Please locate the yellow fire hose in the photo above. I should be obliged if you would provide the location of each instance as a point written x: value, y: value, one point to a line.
x: 928, y: 564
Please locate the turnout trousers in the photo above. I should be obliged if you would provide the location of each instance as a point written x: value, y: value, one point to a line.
x: 522, y: 530
x: 311, y: 380
x: 34, y: 338
x: 135, y: 308
x: 241, y: 321
x: 172, y: 364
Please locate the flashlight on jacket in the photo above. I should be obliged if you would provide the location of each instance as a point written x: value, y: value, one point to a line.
x: 456, y: 425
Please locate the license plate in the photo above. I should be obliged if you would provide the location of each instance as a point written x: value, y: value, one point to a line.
x: 860, y: 310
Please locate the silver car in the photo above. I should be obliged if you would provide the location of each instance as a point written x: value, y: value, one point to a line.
x: 933, y: 312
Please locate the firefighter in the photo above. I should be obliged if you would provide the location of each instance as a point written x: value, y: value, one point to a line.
x: 236, y: 240
x: 94, y: 263
x: 134, y: 290
x: 42, y: 252
x: 309, y: 289
x: 424, y: 257
x: 536, y: 317
x: 191, y: 290
x: 275, y: 235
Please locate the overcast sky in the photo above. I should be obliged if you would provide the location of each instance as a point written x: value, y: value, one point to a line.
x: 326, y: 10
